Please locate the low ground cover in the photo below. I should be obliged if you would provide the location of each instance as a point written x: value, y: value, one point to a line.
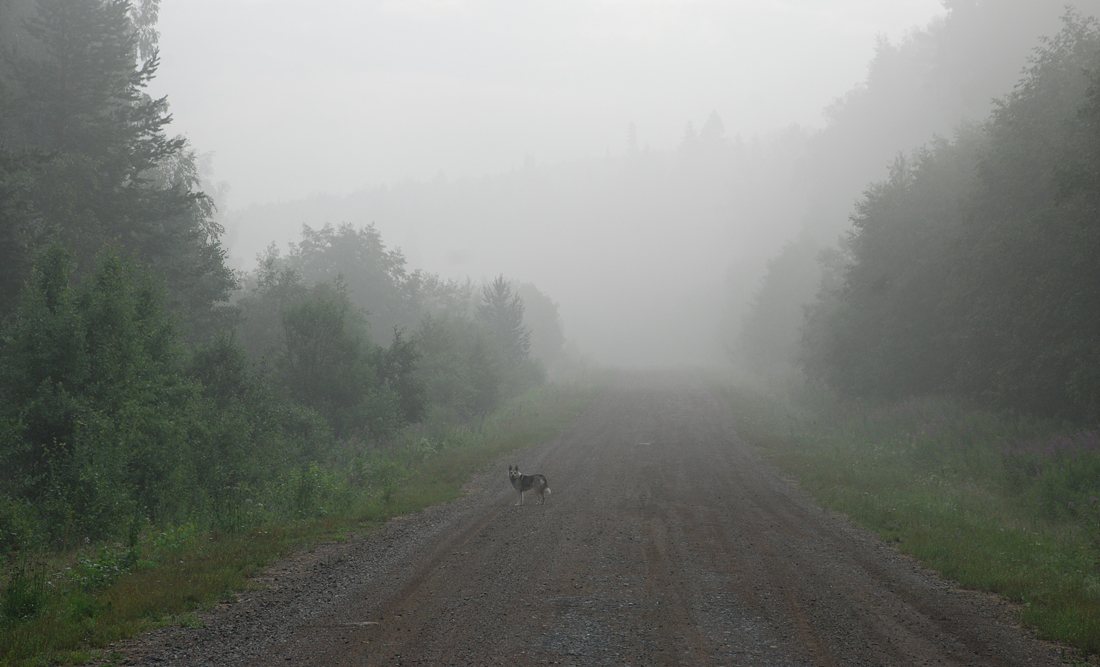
x: 69, y: 607
x: 996, y: 501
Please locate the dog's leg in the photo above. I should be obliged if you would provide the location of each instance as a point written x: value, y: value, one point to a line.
x: 520, y: 499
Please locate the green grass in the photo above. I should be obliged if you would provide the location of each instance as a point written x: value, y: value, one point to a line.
x: 81, y: 602
x: 996, y: 502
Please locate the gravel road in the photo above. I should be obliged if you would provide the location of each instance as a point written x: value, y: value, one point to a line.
x: 666, y: 541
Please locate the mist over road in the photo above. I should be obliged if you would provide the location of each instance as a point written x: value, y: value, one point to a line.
x: 667, y: 540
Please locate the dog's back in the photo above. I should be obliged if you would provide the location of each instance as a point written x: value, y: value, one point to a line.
x: 523, y: 483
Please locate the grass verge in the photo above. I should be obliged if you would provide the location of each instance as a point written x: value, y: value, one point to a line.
x: 70, y: 608
x: 996, y: 502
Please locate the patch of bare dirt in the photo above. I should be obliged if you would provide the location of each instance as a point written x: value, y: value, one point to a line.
x: 666, y: 541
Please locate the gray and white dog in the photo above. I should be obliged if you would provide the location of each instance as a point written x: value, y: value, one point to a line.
x: 523, y: 483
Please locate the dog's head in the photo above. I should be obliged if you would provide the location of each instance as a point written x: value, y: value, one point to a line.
x: 513, y: 472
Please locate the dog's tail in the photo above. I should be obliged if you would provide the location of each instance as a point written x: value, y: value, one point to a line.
x: 547, y: 491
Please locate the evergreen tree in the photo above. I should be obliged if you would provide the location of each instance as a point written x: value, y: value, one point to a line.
x: 973, y: 268
x: 75, y: 92
x: 501, y: 312
x: 93, y: 379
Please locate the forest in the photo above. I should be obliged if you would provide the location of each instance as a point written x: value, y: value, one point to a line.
x: 971, y: 270
x: 941, y: 84
x: 143, y: 383
x: 150, y: 391
x: 130, y: 346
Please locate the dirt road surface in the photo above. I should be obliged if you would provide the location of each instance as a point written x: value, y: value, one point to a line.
x: 666, y: 541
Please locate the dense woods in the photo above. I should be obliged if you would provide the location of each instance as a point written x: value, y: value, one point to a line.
x: 142, y: 382
x: 972, y: 269
x: 146, y: 386
x: 927, y: 84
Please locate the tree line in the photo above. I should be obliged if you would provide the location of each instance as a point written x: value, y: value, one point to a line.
x: 972, y: 269
x: 923, y: 85
x: 143, y: 381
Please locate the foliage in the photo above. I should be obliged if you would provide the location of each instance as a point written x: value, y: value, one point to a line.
x: 501, y: 313
x: 329, y: 364
x: 459, y: 374
x: 994, y: 500
x: 19, y: 225
x: 24, y: 593
x: 973, y: 267
x: 881, y: 330
x: 323, y: 364
x: 396, y: 366
x: 177, y: 570
x: 107, y: 424
x: 109, y: 564
x: 136, y: 423
x: 274, y: 289
x: 375, y: 278
x: 767, y: 344
x: 93, y: 379
x: 919, y: 87
x: 543, y: 321
x: 323, y: 357
x: 88, y: 163
x: 451, y: 367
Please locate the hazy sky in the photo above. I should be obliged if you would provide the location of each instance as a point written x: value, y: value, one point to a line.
x: 333, y: 95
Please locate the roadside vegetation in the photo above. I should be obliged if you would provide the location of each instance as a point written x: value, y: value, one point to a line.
x: 68, y: 606
x: 947, y: 391
x: 971, y: 271
x: 997, y: 501
x: 169, y: 426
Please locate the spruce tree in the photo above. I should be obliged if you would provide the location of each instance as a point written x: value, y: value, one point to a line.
x: 501, y: 311
x: 75, y: 93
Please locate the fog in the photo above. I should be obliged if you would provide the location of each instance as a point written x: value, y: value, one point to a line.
x: 640, y: 162
x: 346, y: 94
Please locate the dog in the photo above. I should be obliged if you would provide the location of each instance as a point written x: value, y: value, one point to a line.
x: 523, y: 483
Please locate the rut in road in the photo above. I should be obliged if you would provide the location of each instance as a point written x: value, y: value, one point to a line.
x: 666, y: 541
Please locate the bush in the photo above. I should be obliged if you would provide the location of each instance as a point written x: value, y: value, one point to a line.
x: 19, y: 527
x: 24, y: 593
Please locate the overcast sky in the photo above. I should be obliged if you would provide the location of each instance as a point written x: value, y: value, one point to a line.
x: 334, y: 95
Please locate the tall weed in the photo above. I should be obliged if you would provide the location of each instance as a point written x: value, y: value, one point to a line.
x: 997, y: 501
x: 24, y: 591
x: 165, y: 573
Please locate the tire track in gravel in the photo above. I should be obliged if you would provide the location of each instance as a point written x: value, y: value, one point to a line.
x: 666, y: 541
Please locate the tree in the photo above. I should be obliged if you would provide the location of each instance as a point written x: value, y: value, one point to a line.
x: 324, y: 362
x: 396, y: 367
x: 83, y: 91
x: 328, y: 363
x: 542, y: 319
x: 74, y: 92
x: 459, y: 375
x: 501, y: 312
x: 20, y: 227
x: 926, y: 84
x: 1023, y: 279
x: 973, y: 268
x: 93, y: 378
x: 375, y: 277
